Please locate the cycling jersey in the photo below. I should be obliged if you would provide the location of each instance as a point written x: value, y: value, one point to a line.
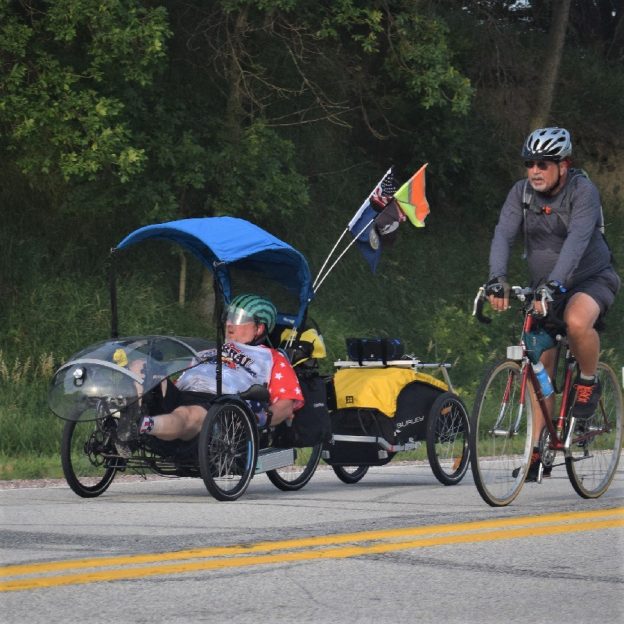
x: 568, y: 253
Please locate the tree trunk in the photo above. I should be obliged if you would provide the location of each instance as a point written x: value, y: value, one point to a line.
x: 206, y: 299
x: 615, y: 49
x: 550, y: 67
x: 233, y: 124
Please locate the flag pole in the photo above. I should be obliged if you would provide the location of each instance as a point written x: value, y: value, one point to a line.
x: 319, y: 280
x: 329, y: 255
x: 344, y: 251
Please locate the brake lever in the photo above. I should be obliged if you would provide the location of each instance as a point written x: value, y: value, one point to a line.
x: 545, y: 298
x: 477, y: 307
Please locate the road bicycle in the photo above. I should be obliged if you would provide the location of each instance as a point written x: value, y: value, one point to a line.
x: 502, y: 421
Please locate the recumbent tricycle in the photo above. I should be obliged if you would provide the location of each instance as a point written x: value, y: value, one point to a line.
x: 100, y: 384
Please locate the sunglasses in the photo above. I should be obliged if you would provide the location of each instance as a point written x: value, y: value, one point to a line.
x: 542, y: 165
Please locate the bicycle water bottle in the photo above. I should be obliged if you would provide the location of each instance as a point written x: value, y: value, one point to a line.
x: 543, y: 378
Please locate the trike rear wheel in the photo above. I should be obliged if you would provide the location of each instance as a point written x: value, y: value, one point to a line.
x: 500, y: 435
x: 350, y: 474
x: 88, y: 457
x: 597, y: 441
x: 447, y: 439
x: 228, y: 450
x: 298, y: 474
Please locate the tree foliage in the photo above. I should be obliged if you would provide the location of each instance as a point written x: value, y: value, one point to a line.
x: 63, y: 113
x: 115, y: 114
x: 176, y: 109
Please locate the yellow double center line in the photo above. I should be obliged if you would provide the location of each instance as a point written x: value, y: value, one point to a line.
x: 79, y: 571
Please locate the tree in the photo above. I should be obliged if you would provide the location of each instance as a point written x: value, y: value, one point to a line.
x: 550, y: 65
x: 69, y: 73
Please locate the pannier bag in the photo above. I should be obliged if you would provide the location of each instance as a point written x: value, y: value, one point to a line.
x: 359, y: 422
x: 397, y: 401
x: 413, y: 406
x: 311, y: 424
x: 375, y: 349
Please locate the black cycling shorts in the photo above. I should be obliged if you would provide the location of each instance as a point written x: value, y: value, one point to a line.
x: 174, y: 397
x: 602, y: 288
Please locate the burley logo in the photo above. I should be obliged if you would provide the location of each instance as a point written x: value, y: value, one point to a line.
x: 410, y: 421
x: 349, y: 399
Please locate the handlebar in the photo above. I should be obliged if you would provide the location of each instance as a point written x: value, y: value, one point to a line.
x: 523, y: 293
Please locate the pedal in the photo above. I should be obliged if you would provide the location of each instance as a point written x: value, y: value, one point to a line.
x: 271, y: 458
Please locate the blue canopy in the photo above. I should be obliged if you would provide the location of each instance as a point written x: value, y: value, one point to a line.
x: 222, y: 242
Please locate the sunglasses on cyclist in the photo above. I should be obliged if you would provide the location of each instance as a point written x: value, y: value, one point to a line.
x: 542, y: 165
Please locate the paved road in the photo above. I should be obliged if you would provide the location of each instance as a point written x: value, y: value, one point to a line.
x: 397, y: 547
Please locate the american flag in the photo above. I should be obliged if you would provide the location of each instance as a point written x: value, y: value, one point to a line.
x: 385, y: 190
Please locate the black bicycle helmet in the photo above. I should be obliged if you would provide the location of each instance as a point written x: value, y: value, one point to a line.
x: 547, y: 144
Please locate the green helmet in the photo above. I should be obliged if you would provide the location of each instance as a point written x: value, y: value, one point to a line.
x: 259, y: 308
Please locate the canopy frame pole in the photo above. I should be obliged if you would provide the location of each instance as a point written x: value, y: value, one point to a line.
x: 112, y: 286
x: 218, y: 313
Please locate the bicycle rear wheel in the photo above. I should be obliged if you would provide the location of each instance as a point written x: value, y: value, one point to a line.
x: 295, y: 476
x: 500, y: 435
x: 597, y: 441
x: 447, y: 439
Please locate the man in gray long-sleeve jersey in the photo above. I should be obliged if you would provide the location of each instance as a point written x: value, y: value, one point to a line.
x: 558, y: 210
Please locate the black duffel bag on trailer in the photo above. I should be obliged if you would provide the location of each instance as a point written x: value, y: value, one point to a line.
x: 375, y: 349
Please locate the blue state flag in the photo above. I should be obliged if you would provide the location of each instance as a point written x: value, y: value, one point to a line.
x: 367, y: 240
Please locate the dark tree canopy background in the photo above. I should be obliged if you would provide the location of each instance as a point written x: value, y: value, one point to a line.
x: 114, y: 114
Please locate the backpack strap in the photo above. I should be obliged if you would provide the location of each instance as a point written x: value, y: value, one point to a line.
x: 564, y: 214
x: 527, y: 198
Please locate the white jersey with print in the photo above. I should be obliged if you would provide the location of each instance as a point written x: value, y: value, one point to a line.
x: 243, y: 366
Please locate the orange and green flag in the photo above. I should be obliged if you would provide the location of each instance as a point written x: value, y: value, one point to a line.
x: 412, y: 200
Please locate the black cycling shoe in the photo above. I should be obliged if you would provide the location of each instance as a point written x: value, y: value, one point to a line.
x: 586, y: 398
x: 129, y: 423
x: 533, y: 472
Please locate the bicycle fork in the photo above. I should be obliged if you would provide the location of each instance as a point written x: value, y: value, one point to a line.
x: 508, y: 432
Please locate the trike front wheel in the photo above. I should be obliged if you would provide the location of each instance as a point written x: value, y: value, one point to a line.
x: 228, y: 450
x: 500, y: 435
x: 447, y: 439
x: 597, y: 441
x: 88, y: 457
x: 298, y: 474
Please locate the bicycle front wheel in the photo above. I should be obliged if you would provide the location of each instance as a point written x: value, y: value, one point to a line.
x: 500, y: 435
x: 88, y: 457
x: 597, y: 441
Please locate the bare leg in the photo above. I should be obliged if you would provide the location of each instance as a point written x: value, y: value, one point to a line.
x: 282, y: 410
x: 182, y: 423
x: 580, y: 315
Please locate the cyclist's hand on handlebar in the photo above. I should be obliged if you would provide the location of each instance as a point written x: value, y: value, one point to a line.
x: 497, y: 292
x: 545, y: 293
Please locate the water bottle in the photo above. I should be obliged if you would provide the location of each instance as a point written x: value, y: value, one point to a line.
x: 544, y: 379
